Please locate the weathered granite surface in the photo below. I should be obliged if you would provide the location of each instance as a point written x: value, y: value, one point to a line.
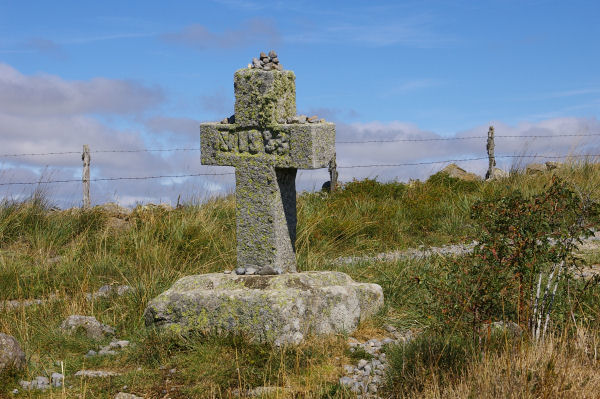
x: 11, y: 354
x: 92, y: 327
x: 266, y: 151
x: 264, y: 98
x: 271, y: 308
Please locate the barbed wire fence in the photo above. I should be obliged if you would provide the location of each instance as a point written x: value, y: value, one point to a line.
x: 491, y: 157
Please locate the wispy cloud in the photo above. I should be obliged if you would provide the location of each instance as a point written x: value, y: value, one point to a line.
x: 99, y: 38
x: 250, y: 32
x: 46, y: 46
x: 557, y: 94
x: 417, y: 31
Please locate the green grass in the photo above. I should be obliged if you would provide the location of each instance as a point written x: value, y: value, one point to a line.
x: 70, y: 253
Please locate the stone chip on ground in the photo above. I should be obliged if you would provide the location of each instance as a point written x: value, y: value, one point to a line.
x: 123, y: 395
x: 92, y: 327
x: 11, y: 354
x: 96, y: 373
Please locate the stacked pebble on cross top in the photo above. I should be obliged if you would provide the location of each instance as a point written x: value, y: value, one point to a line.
x: 266, y: 62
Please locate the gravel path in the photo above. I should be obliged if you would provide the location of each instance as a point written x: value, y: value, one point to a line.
x: 423, y: 252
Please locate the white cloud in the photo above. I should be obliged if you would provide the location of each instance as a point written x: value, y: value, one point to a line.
x: 43, y: 113
x: 48, y: 95
x: 429, y: 151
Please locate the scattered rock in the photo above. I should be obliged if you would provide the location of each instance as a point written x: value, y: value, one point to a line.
x: 535, y: 168
x: 41, y: 383
x: 109, y: 290
x: 499, y: 174
x: 119, y: 344
x: 240, y: 271
x: 366, y: 378
x: 57, y: 380
x: 313, y: 119
x: 123, y: 395
x: 106, y: 352
x: 453, y: 170
x: 11, y: 354
x: 96, y: 373
x: 92, y: 327
x: 91, y: 353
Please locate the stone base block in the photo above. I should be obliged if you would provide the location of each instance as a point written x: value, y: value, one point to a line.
x: 277, y: 309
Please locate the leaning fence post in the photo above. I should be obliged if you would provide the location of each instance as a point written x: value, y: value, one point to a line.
x: 333, y: 174
x: 85, y: 157
x: 490, y: 150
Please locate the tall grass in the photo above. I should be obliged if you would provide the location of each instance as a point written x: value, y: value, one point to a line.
x: 66, y: 254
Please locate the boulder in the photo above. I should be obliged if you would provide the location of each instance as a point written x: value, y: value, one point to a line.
x: 535, y: 168
x: 115, y: 210
x: 499, y: 174
x: 92, y: 327
x: 453, y: 170
x: 276, y: 309
x: 551, y: 165
x: 154, y: 207
x: 11, y: 354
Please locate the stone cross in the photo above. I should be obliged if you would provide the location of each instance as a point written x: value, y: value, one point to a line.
x: 266, y: 143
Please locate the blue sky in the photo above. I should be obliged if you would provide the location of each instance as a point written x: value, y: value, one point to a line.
x: 143, y: 74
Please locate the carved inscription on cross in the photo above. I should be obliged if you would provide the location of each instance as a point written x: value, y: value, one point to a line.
x: 266, y: 152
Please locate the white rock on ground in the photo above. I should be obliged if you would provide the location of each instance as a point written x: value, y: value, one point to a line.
x: 11, y: 354
x: 266, y: 308
x: 123, y: 395
x: 96, y: 373
x: 93, y: 328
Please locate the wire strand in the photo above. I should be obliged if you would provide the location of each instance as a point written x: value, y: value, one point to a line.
x: 117, y: 178
x: 469, y: 159
x: 337, y: 142
x: 464, y: 138
x: 339, y: 167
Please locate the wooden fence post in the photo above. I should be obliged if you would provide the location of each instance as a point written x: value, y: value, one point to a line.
x: 85, y: 157
x: 490, y: 150
x: 333, y: 174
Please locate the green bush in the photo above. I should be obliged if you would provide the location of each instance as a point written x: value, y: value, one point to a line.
x: 519, y: 238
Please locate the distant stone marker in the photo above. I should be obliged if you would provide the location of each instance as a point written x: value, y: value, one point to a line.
x: 266, y: 151
x: 266, y: 142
